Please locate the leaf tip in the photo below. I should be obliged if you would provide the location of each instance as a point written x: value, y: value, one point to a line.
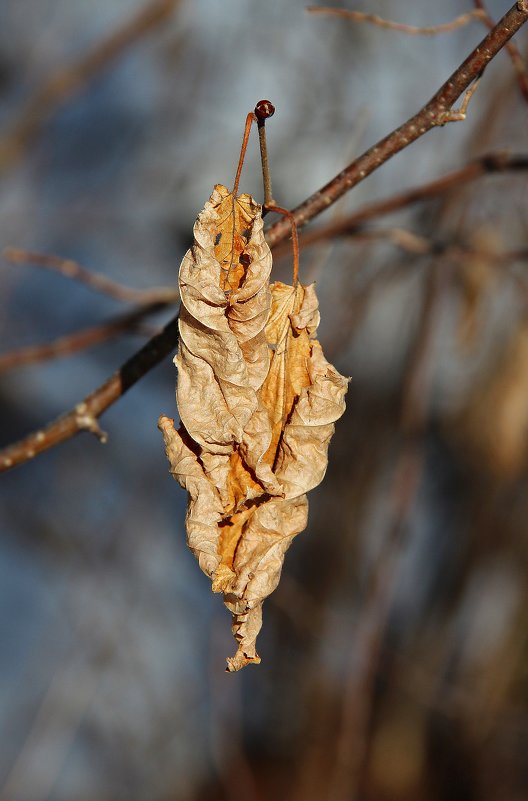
x: 240, y: 660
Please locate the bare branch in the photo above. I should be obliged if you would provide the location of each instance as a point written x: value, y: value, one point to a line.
x: 431, y: 115
x: 79, y: 340
x: 99, y: 283
x: 85, y: 414
x: 513, y: 51
x: 374, y: 19
x: 67, y: 82
x: 487, y: 164
x: 401, y: 237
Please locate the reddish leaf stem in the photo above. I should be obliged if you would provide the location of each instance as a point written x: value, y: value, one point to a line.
x: 250, y: 119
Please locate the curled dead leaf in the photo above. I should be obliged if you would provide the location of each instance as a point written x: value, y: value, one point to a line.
x: 257, y: 402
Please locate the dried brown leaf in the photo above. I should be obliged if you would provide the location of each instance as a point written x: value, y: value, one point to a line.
x: 257, y: 402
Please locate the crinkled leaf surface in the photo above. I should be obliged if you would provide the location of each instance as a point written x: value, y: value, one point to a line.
x: 257, y: 402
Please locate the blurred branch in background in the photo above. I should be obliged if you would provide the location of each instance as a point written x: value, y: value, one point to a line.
x: 65, y: 83
x: 152, y: 301
x: 436, y: 112
x: 489, y: 163
x: 374, y: 19
x: 95, y: 281
x: 80, y: 340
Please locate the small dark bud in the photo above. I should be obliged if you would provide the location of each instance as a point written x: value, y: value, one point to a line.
x: 264, y: 109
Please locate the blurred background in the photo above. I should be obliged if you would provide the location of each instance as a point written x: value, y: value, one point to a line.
x: 395, y: 649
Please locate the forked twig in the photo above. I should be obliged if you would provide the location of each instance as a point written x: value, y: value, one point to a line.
x: 431, y: 115
x: 263, y: 110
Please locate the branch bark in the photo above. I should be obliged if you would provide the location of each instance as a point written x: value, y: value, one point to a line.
x: 80, y: 340
x: 513, y: 51
x: 436, y: 112
x: 83, y: 417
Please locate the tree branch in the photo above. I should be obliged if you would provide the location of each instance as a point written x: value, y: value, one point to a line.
x: 513, y: 51
x: 95, y: 281
x: 436, y: 112
x: 483, y: 165
x: 79, y: 340
x: 84, y: 416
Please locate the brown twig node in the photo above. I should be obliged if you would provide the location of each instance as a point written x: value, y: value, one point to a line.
x: 264, y: 109
x: 459, y: 114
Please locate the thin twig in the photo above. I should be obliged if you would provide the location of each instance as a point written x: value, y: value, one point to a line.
x: 79, y: 340
x: 58, y: 716
x: 83, y: 417
x: 68, y: 81
x: 459, y: 114
x: 99, y: 283
x: 513, y: 51
x: 486, y: 164
x: 374, y: 19
x: 401, y: 237
x: 434, y: 113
